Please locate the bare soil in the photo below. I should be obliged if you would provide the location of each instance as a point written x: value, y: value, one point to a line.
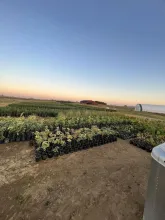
x: 6, y: 101
x: 103, y: 183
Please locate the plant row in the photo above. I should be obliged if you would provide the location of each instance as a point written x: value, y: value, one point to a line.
x: 128, y: 131
x: 26, y: 111
x: 147, y: 141
x: 22, y: 128
x: 145, y: 134
x: 16, y: 110
x: 54, y: 105
x: 50, y: 144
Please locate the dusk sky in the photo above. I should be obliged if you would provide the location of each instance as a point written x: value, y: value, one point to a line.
x: 107, y: 50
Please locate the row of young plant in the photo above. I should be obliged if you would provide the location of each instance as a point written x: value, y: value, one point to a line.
x: 22, y: 128
x: 145, y: 134
x: 26, y: 111
x: 16, y: 110
x: 66, y: 140
x: 153, y: 134
x: 54, y: 105
x: 47, y: 105
x: 59, y: 142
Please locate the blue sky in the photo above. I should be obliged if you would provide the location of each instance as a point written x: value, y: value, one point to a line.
x: 109, y: 50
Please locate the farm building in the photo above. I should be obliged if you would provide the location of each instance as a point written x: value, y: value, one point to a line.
x: 150, y: 108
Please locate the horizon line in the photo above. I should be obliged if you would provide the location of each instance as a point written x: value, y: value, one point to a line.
x: 51, y: 99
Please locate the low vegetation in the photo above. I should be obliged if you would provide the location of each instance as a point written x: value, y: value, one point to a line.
x: 66, y: 140
x: 64, y: 134
x: 26, y: 111
x: 44, y: 109
x: 22, y: 128
x: 64, y: 127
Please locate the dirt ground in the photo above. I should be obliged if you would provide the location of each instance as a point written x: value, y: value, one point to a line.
x: 103, y: 183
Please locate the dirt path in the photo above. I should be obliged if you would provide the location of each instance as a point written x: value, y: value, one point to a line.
x: 102, y: 183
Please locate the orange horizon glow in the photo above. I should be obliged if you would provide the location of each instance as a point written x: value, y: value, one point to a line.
x: 20, y: 93
x: 75, y: 93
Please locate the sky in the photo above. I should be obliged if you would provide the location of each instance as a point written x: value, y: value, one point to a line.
x: 107, y: 50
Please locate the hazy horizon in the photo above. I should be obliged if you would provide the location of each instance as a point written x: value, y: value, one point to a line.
x: 25, y: 97
x: 111, y: 51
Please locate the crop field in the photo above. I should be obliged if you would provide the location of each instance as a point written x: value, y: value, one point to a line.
x: 43, y: 109
x: 77, y: 129
x: 73, y: 134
